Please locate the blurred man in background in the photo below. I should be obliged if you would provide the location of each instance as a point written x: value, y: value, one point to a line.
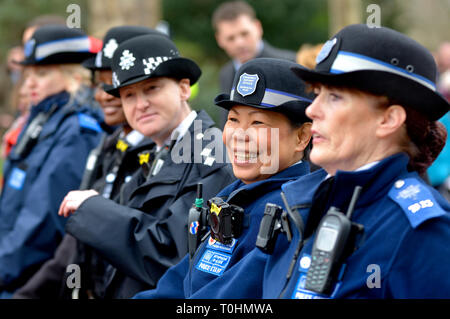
x: 239, y: 33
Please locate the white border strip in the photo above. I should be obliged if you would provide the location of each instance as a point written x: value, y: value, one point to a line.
x: 348, y: 62
x: 67, y: 45
x: 275, y: 98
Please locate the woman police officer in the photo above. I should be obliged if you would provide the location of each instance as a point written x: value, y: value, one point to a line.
x: 375, y: 127
x: 147, y: 232
x: 48, y: 160
x: 266, y: 98
x: 110, y: 165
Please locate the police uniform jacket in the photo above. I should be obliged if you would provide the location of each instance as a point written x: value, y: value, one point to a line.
x: 48, y: 281
x: 36, y: 183
x: 404, y: 252
x: 148, y: 233
x: 216, y: 265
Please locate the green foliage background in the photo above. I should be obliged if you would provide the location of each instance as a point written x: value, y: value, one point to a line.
x: 287, y: 24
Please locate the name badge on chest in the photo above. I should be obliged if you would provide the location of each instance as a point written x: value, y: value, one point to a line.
x: 17, y: 178
x: 216, y: 257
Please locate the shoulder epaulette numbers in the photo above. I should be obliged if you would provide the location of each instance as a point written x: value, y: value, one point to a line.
x: 416, y: 200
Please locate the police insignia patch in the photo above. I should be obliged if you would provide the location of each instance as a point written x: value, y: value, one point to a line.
x: 247, y: 84
x: 325, y: 51
x: 127, y: 60
x: 110, y: 47
x: 28, y: 47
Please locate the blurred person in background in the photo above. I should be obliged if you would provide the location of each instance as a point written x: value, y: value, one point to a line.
x: 111, y: 165
x: 19, y: 101
x: 307, y: 55
x: 240, y: 34
x: 49, y: 157
x: 439, y: 171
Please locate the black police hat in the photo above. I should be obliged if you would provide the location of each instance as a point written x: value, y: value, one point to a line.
x: 269, y: 84
x: 59, y: 44
x: 149, y: 56
x: 112, y: 39
x: 383, y: 62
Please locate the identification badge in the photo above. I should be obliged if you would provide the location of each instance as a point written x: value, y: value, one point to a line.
x: 213, y: 244
x: 213, y: 262
x: 17, y: 178
x: 301, y: 293
x: 247, y: 84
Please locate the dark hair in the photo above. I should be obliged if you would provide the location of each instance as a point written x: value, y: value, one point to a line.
x: 231, y: 11
x: 424, y: 139
x: 427, y: 139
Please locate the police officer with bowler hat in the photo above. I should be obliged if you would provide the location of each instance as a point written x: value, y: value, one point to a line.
x: 147, y: 232
x: 48, y: 160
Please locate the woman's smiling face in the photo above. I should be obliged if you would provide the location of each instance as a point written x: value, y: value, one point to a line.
x: 260, y: 143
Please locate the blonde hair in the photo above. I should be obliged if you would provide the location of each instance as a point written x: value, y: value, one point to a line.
x: 75, y: 75
x: 307, y: 54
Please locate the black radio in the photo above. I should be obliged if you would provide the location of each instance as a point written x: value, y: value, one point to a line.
x: 335, y: 240
x: 225, y: 220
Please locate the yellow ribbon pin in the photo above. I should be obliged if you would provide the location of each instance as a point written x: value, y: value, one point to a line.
x: 215, y: 209
x: 144, y: 158
x: 121, y: 146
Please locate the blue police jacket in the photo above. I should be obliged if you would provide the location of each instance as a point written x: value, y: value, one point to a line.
x: 215, y: 265
x: 36, y: 183
x: 404, y: 252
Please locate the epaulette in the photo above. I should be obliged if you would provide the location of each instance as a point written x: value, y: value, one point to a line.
x: 416, y: 200
x: 88, y: 122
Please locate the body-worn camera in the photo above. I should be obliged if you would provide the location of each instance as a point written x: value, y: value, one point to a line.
x: 225, y: 220
x: 273, y: 222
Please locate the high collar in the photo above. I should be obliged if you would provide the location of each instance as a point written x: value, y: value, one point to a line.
x: 180, y: 130
x: 290, y: 173
x: 59, y: 99
x: 375, y: 181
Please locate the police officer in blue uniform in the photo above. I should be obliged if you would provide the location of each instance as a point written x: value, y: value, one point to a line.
x: 266, y: 98
x: 146, y: 232
x: 110, y: 165
x: 49, y: 158
x: 375, y: 132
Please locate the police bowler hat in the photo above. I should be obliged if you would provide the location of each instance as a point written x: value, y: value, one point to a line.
x: 112, y: 39
x: 268, y: 84
x: 59, y: 44
x: 383, y: 62
x: 149, y: 56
